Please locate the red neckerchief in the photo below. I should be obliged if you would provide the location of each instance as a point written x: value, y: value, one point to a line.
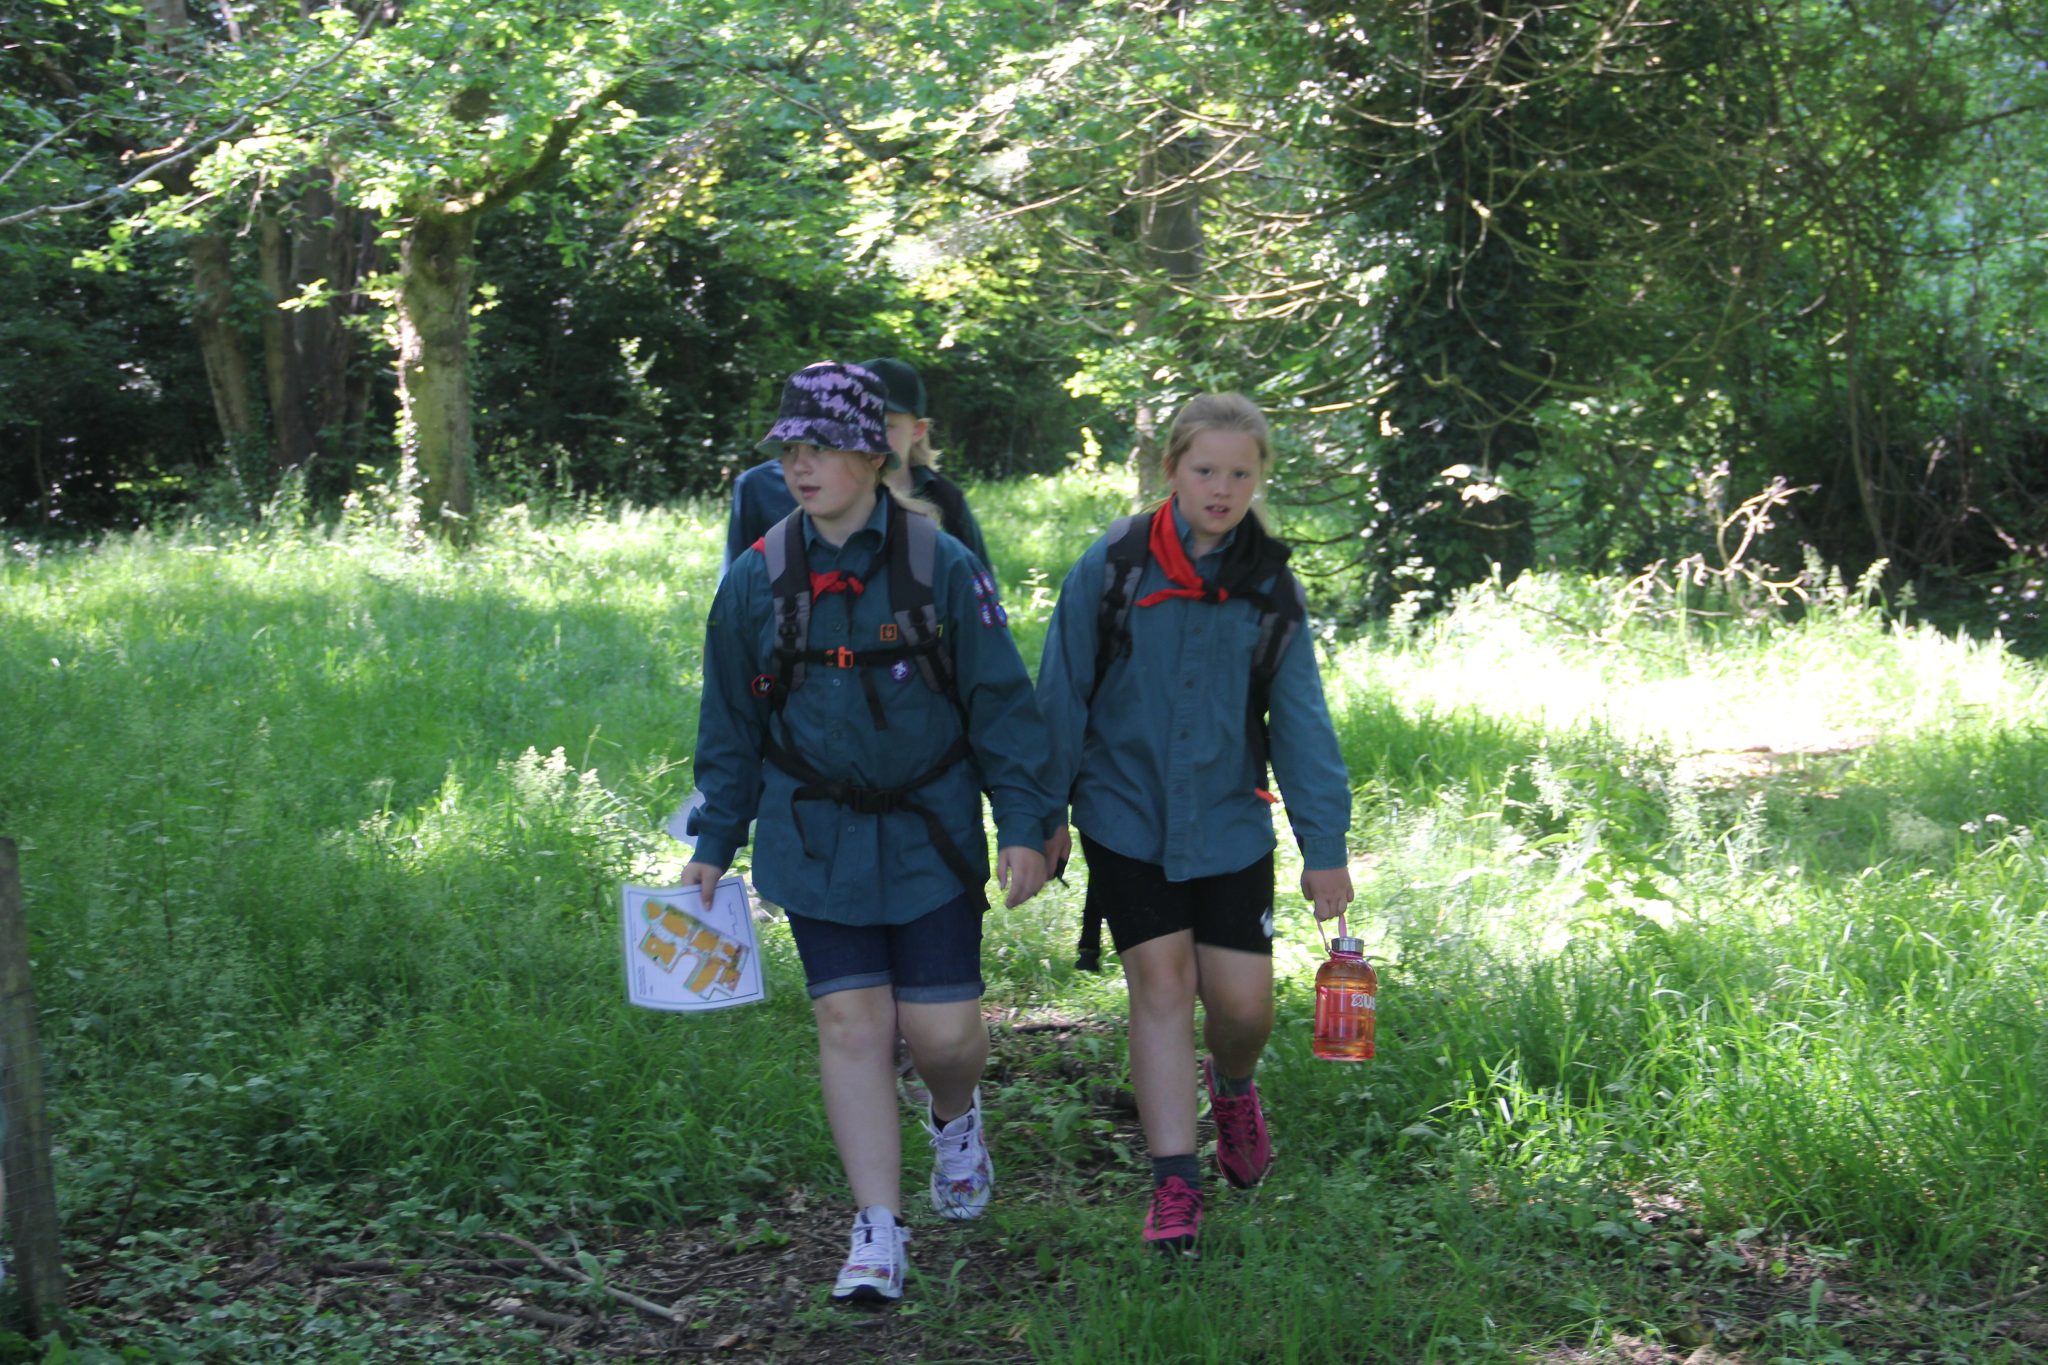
x: 1165, y: 546
x: 838, y: 580
x: 824, y: 584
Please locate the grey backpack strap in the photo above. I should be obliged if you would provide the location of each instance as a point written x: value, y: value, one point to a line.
x: 913, y: 561
x: 1278, y: 626
x: 789, y: 583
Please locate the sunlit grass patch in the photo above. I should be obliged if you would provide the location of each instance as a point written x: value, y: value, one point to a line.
x: 1563, y: 656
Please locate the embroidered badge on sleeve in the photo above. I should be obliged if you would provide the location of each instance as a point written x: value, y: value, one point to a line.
x: 990, y: 603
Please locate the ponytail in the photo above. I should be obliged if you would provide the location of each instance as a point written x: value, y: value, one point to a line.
x: 924, y: 507
x: 922, y: 453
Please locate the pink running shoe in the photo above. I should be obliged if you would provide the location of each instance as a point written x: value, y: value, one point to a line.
x: 1174, y: 1218
x: 1243, y: 1151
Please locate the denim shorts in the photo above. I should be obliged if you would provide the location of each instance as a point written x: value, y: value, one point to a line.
x: 1229, y: 910
x: 933, y: 960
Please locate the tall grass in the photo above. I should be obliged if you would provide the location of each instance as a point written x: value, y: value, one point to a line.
x: 322, y: 830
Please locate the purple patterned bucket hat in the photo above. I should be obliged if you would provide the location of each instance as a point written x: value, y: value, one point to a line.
x: 833, y: 407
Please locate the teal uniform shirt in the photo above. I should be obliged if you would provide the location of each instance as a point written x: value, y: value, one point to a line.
x: 868, y: 869
x: 1160, y: 768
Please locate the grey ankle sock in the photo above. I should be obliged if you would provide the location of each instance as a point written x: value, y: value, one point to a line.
x: 1186, y: 1167
x: 1233, y: 1089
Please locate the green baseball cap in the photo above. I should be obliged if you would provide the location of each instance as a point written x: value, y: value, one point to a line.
x: 906, y: 390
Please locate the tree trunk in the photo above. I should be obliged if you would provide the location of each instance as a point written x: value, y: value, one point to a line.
x: 227, y: 369
x: 307, y: 351
x: 167, y: 24
x: 434, y: 423
x: 1458, y: 345
x: 1170, y: 241
x: 293, y: 442
x: 25, y: 1149
x: 435, y: 271
x: 1169, y: 214
x: 164, y: 22
x: 1860, y: 456
x: 1147, y: 452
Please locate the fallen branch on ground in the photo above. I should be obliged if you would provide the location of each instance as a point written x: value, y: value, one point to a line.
x: 504, y: 1265
x: 570, y: 1272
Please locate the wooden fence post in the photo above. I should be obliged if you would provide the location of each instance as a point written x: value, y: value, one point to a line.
x: 31, y: 1191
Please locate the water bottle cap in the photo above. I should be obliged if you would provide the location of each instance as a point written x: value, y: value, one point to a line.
x: 1354, y: 946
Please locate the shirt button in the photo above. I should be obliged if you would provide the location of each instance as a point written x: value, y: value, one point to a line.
x: 1183, y: 734
x: 1189, y: 683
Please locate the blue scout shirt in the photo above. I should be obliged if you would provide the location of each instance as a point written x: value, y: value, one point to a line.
x: 760, y: 498
x: 1161, y: 769
x: 870, y: 869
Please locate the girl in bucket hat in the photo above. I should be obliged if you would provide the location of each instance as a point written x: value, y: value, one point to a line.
x: 761, y: 495
x: 861, y: 690
x: 1174, y: 668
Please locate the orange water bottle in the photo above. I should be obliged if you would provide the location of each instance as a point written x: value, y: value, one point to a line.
x: 1347, y: 1000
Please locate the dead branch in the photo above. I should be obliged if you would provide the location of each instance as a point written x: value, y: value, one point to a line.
x: 470, y: 1265
x: 570, y: 1272
x: 539, y: 1317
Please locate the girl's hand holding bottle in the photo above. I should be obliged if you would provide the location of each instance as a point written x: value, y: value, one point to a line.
x: 1328, y: 889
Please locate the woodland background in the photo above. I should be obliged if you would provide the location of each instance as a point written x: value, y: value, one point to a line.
x: 1557, y: 283
x: 370, y: 382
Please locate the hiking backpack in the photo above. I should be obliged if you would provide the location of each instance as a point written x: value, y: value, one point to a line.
x: 919, y: 642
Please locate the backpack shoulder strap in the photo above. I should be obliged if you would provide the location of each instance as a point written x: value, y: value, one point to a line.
x: 1282, y: 613
x: 789, y: 585
x: 913, y: 562
x: 1123, y: 565
x: 1280, y: 620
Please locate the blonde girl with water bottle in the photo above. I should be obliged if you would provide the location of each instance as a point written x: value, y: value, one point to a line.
x: 1175, y: 669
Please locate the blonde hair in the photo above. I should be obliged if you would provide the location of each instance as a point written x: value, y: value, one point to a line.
x: 911, y: 501
x: 922, y: 506
x: 922, y: 452
x: 1217, y: 412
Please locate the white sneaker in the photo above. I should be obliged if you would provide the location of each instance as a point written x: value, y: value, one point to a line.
x: 876, y: 1263
x: 962, y: 1177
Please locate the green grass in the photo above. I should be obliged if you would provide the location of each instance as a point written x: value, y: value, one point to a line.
x: 321, y: 834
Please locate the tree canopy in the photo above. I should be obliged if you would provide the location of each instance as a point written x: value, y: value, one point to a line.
x: 1521, y: 279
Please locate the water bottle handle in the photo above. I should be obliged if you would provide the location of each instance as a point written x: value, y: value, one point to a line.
x: 1342, y: 930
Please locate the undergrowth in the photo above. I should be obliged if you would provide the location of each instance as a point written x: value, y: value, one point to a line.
x: 1700, y: 934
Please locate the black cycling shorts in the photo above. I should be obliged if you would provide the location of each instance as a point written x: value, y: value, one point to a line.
x: 1229, y: 910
